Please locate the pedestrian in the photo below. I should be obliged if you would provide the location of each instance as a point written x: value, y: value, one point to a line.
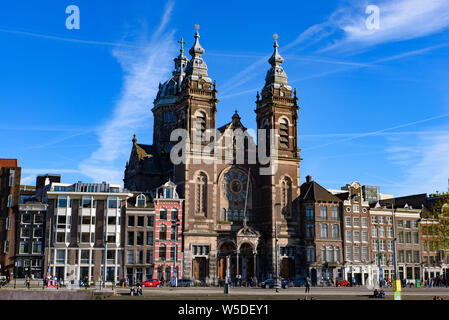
x: 307, y: 285
x: 27, y: 282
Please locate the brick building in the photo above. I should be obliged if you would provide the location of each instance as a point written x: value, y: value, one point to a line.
x: 321, y: 229
x: 10, y: 174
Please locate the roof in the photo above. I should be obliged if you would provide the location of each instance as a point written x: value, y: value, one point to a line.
x: 9, y: 163
x: 312, y: 191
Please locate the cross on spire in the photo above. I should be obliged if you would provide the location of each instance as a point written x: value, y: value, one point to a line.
x: 197, y: 27
x: 182, y: 42
x: 275, y: 36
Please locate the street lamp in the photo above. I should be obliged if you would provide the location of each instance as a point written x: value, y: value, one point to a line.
x: 276, y: 284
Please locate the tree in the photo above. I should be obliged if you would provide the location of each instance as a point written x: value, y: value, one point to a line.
x: 440, y: 214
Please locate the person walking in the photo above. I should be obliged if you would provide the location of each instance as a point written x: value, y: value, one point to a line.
x: 27, y: 282
x: 307, y: 285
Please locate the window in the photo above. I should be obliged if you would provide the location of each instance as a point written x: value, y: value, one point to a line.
x: 416, y: 256
x: 424, y: 246
x: 356, y: 253
x: 150, y: 221
x: 408, y: 224
x: 323, y: 212
x: 139, y: 240
x: 149, y: 238
x: 323, y: 254
x: 408, y: 237
x: 365, y: 236
x: 62, y: 201
x: 10, y: 201
x: 356, y: 222
x: 111, y: 238
x: 283, y: 133
x: 348, y: 252
x: 357, y: 236
x: 173, y: 233
x: 149, y: 257
x: 324, y: 231
x: 60, y: 256
x: 375, y: 244
x: 85, y: 256
x: 11, y: 177
x: 374, y: 231
x: 409, y: 256
x: 112, y: 220
x: 399, y: 223
x: 163, y: 232
x: 8, y: 223
x: 381, y: 219
x: 364, y: 253
x: 373, y: 219
x: 130, y: 257
x: 141, y: 201
x: 382, y: 245
x: 200, y: 126
x: 88, y: 220
x: 348, y: 236
x: 415, y: 223
x: 337, y: 254
x: 174, y: 214
x: 60, y: 237
x: 38, y: 218
x: 162, y: 252
x: 163, y: 214
x: 335, y: 233
x: 381, y: 231
x: 24, y: 247
x: 390, y: 245
x: 348, y: 221
x: 130, y: 238
x: 310, y: 231
x: 139, y: 256
x: 335, y: 213
x: 114, y: 202
x: 37, y: 247
x: 356, y: 208
x: 401, y: 237
x: 401, y: 256
x: 389, y: 220
x: 415, y: 238
x: 310, y: 254
x: 390, y: 232
x: 309, y: 213
x: 172, y: 253
x: 131, y: 221
x: 87, y: 202
x: 141, y: 221
x: 6, y: 246
x: 364, y: 222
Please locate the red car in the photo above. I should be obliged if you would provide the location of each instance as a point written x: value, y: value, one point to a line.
x: 342, y: 283
x: 151, y: 283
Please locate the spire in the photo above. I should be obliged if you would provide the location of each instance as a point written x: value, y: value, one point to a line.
x: 276, y: 60
x: 134, y: 139
x: 276, y: 76
x: 197, y: 68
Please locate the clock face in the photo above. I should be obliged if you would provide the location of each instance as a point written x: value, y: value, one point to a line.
x: 234, y: 185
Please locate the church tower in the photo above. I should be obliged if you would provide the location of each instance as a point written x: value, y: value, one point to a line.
x: 197, y: 100
x: 277, y: 110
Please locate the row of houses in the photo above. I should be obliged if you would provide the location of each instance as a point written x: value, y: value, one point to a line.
x: 92, y: 231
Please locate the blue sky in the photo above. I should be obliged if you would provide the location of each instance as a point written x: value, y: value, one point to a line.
x: 374, y: 103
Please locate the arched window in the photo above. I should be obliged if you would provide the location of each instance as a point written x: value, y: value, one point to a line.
x: 141, y: 201
x: 286, y: 196
x: 174, y: 214
x: 283, y: 133
x: 201, y: 194
x: 163, y: 232
x: 223, y: 214
x: 162, y: 252
x: 330, y: 254
x: 323, y: 254
x: 236, y: 215
x: 200, y: 125
x: 163, y: 214
x: 229, y: 215
x: 337, y: 254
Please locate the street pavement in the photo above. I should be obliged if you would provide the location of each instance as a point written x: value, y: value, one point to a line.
x: 318, y: 293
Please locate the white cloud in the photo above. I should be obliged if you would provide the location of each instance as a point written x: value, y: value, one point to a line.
x: 424, y: 162
x: 144, y: 69
x: 399, y: 20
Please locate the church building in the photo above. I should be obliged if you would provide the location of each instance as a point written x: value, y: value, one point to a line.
x: 232, y: 213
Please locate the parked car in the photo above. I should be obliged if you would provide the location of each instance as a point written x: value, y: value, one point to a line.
x: 269, y: 283
x: 342, y: 283
x: 185, y: 283
x: 151, y: 283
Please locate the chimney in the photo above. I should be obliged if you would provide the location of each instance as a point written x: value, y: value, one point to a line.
x: 309, y: 179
